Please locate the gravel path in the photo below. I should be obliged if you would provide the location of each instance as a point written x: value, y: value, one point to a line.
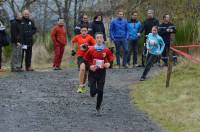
x: 46, y: 101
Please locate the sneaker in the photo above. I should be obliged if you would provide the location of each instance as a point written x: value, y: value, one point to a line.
x: 125, y: 66
x: 142, y: 79
x: 29, y: 69
x: 57, y: 68
x: 98, y: 111
x: 136, y: 65
x: 81, y: 90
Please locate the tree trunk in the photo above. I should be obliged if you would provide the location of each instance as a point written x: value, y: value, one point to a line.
x: 45, y: 19
x: 75, y: 12
x: 67, y: 4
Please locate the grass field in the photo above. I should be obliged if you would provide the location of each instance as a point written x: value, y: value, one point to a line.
x: 176, y: 108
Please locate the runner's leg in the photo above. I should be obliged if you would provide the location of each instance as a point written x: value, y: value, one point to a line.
x: 100, y: 86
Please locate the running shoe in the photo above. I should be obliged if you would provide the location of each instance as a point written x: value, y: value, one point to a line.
x: 81, y: 90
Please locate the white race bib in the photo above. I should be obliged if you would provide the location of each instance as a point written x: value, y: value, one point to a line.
x: 25, y: 47
x: 152, y: 42
x: 98, y: 63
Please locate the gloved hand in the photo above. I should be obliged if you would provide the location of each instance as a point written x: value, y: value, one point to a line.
x: 73, y: 53
x: 84, y: 47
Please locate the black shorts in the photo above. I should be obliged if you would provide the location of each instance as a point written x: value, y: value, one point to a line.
x: 80, y: 60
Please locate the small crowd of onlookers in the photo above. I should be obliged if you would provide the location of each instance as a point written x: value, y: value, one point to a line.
x: 123, y: 34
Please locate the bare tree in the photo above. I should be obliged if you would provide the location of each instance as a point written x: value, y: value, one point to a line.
x: 45, y: 17
x: 15, y: 7
x: 59, y: 7
x: 75, y: 12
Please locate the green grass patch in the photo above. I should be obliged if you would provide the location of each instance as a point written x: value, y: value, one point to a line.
x: 176, y: 108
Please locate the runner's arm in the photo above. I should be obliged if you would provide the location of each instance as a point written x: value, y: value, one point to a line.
x: 162, y: 44
x: 110, y: 58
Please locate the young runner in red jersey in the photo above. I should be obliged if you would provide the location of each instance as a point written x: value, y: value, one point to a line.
x: 98, y: 58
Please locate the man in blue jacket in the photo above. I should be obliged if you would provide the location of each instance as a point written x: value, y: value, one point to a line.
x: 133, y: 35
x: 119, y: 35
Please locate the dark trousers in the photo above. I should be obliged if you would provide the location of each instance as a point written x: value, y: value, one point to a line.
x: 165, y: 55
x: 16, y: 56
x: 124, y: 45
x: 133, y: 47
x: 144, y: 55
x: 151, y: 59
x: 0, y: 56
x: 28, y: 56
x: 96, y: 82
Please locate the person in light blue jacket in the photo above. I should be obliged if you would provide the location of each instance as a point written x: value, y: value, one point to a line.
x: 134, y: 27
x: 155, y: 46
x: 119, y: 35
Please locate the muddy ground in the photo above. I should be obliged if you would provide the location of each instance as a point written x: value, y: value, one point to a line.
x: 46, y: 101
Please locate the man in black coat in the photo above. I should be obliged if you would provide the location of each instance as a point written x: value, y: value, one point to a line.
x: 146, y: 27
x: 84, y: 22
x: 27, y: 31
x: 165, y: 31
x: 98, y: 26
x: 16, y: 44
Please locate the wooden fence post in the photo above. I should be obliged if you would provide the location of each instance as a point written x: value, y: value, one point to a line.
x: 169, y: 70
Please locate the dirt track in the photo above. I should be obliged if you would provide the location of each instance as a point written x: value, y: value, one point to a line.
x: 46, y: 101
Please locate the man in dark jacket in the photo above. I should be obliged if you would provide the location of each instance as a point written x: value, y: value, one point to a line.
x: 27, y: 31
x: 147, y: 27
x: 84, y: 22
x: 16, y: 44
x: 165, y: 31
x: 98, y: 26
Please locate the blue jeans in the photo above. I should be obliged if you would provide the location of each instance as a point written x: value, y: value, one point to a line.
x: 124, y: 45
